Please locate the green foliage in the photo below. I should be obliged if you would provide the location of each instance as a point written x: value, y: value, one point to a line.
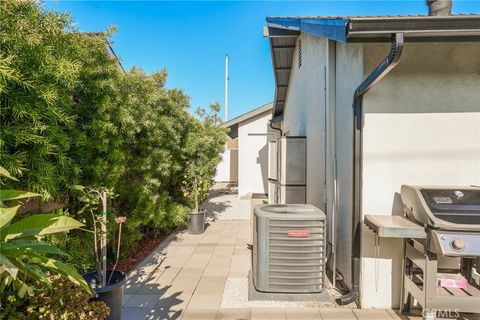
x: 24, y: 257
x: 36, y: 82
x: 63, y: 301
x: 79, y: 247
x: 203, y: 145
x: 70, y: 115
x: 37, y: 225
x: 157, y: 123
x: 98, y: 150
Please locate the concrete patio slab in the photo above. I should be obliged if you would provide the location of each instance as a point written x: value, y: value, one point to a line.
x: 142, y: 301
x: 205, y: 301
x: 167, y: 275
x: 210, y: 285
x: 337, y: 314
x: 372, y: 314
x: 268, y: 314
x: 163, y: 314
x: 135, y: 313
x: 190, y: 272
x: 199, y: 314
x: 234, y: 314
x: 302, y: 314
x: 216, y: 271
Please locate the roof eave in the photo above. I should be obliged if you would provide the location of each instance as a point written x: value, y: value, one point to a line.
x: 356, y: 29
x: 449, y: 28
x: 247, y: 115
x: 457, y: 28
x: 334, y: 29
x: 282, y: 48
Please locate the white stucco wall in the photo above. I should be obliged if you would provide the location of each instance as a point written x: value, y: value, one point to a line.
x: 253, y: 154
x: 349, y: 74
x: 304, y: 113
x: 422, y: 126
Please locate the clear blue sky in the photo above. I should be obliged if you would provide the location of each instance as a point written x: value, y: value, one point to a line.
x: 190, y: 39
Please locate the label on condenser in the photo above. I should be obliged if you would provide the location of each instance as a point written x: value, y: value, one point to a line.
x: 298, y: 233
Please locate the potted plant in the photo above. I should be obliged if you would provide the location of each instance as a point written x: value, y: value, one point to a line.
x: 196, y: 217
x: 108, y: 284
x: 203, y: 145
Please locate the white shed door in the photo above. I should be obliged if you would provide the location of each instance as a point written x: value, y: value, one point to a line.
x: 257, y: 163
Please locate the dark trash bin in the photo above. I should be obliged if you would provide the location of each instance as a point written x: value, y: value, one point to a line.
x: 111, y: 294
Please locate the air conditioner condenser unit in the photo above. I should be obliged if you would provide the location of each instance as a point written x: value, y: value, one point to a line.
x: 289, y: 248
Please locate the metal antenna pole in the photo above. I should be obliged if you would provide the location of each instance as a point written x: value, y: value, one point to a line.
x: 226, y: 87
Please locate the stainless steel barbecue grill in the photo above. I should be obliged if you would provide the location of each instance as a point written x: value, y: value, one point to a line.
x: 441, y: 271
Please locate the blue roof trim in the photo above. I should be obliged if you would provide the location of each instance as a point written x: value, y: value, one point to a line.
x: 334, y: 29
x: 284, y: 23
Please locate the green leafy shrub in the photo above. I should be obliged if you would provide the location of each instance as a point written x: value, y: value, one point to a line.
x: 24, y: 255
x: 12, y: 306
x: 70, y: 115
x: 37, y: 78
x: 63, y: 301
x: 201, y: 152
x: 98, y: 150
x: 79, y: 247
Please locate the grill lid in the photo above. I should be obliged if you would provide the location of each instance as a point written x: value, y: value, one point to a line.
x: 454, y: 205
x: 454, y: 208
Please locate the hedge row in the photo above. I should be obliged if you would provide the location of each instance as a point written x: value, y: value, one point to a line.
x: 70, y: 115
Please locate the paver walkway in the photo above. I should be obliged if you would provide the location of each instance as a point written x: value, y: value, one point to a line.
x: 186, y: 276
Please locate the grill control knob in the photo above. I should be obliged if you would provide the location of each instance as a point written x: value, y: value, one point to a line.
x: 457, y: 244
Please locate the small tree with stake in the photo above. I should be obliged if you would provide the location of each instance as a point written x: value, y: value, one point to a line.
x: 203, y: 145
x: 91, y: 199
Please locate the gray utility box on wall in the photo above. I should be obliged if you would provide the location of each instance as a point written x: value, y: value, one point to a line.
x: 287, y: 170
x: 278, y: 193
x: 289, y: 248
x: 292, y: 153
x: 291, y: 194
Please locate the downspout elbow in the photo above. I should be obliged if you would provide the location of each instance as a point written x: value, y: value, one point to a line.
x: 270, y: 124
x: 385, y: 66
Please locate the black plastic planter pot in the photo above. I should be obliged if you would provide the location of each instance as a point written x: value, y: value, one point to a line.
x: 111, y: 294
x: 196, y: 222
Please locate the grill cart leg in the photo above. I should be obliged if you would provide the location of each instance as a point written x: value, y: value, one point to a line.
x: 404, y: 296
x: 430, y: 285
x: 406, y: 304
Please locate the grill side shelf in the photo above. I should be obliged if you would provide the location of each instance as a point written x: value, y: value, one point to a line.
x: 394, y: 227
